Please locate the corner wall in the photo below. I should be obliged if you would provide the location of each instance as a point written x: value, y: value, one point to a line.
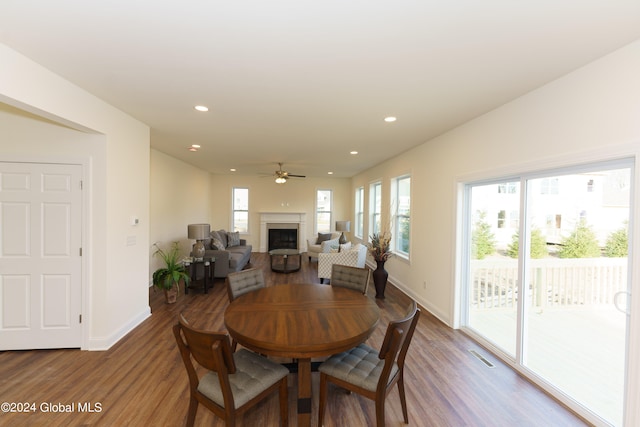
x: 116, y: 148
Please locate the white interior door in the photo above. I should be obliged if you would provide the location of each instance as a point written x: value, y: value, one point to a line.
x: 40, y: 264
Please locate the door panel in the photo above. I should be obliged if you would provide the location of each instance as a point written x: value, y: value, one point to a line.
x: 546, y: 256
x: 40, y: 264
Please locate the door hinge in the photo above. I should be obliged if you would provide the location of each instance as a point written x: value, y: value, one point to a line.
x: 81, y: 185
x: 80, y: 318
x: 80, y: 251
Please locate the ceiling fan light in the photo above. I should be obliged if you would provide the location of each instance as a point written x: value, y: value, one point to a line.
x: 280, y: 180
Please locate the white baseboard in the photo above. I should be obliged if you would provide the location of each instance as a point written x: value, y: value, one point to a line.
x: 105, y: 343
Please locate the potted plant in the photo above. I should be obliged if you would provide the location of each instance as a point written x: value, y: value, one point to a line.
x: 380, y: 250
x: 168, y: 277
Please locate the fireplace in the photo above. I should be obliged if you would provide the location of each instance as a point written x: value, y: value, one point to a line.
x: 279, y: 221
x: 283, y: 238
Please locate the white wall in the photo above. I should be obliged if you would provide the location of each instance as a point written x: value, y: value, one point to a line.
x: 588, y: 115
x: 115, y: 149
x: 180, y: 195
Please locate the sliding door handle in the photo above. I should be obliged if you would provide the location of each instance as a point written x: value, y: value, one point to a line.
x: 616, y: 302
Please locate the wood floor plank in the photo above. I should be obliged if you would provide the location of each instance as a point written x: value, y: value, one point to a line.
x: 142, y: 381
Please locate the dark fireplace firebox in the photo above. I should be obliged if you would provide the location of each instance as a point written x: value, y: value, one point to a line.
x: 283, y: 238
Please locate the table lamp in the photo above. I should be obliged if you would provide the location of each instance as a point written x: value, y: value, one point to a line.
x: 198, y: 232
x: 343, y: 226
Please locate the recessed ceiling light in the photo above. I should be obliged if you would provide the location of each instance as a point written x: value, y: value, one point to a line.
x: 390, y: 119
x: 329, y: 173
x: 195, y: 146
x: 354, y: 152
x: 232, y: 169
x: 201, y: 108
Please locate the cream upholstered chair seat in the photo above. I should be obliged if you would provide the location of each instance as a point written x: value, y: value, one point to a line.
x: 355, y: 257
x: 314, y: 248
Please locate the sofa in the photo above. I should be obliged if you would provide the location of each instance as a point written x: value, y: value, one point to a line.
x: 230, y: 252
x: 352, y: 255
x: 322, y: 244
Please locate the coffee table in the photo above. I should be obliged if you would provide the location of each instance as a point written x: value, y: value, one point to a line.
x: 285, y: 260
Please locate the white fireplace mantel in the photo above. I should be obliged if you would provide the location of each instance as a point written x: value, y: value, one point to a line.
x: 298, y: 218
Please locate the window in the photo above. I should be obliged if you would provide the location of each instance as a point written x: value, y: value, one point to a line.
x: 401, y: 194
x: 548, y: 186
x: 507, y: 188
x: 375, y: 207
x: 359, y: 213
x: 502, y: 215
x: 543, y: 293
x: 241, y: 209
x: 323, y: 210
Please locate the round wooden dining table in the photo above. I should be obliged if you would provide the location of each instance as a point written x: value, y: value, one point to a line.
x: 301, y: 321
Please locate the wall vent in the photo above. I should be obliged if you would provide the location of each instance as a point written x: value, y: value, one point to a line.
x: 482, y: 358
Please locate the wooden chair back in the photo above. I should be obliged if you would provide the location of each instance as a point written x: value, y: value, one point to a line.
x: 396, y: 341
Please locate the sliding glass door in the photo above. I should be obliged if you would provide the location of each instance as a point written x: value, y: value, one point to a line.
x: 546, y: 279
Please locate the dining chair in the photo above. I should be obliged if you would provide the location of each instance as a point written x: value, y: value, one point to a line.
x: 235, y: 381
x: 345, y: 276
x: 243, y: 281
x: 371, y: 373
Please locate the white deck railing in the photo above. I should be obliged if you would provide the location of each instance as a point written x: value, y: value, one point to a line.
x: 552, y: 282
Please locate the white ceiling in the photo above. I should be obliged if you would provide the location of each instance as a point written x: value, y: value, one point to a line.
x: 305, y: 82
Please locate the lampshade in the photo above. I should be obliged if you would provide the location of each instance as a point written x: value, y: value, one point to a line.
x: 198, y: 231
x: 343, y: 225
x: 280, y: 180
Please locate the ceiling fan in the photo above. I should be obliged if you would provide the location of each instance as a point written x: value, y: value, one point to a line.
x: 283, y: 176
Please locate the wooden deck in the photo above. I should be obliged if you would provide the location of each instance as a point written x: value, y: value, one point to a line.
x: 580, y: 349
x: 141, y: 381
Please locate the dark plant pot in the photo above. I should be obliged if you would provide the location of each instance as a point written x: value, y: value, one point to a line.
x: 380, y: 276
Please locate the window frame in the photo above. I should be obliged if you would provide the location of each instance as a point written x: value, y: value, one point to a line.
x: 398, y: 214
x: 234, y: 210
x: 318, y: 212
x: 358, y: 228
x: 375, y: 207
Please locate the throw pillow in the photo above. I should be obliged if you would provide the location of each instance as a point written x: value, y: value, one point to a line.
x: 233, y: 238
x: 216, y: 242
x: 223, y: 238
x: 322, y: 237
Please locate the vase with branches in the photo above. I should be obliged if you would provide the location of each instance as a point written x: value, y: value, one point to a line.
x: 380, y: 250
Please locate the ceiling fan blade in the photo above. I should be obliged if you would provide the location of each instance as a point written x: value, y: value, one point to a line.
x: 297, y: 176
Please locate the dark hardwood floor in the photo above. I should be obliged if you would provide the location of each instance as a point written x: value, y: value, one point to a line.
x: 141, y: 380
